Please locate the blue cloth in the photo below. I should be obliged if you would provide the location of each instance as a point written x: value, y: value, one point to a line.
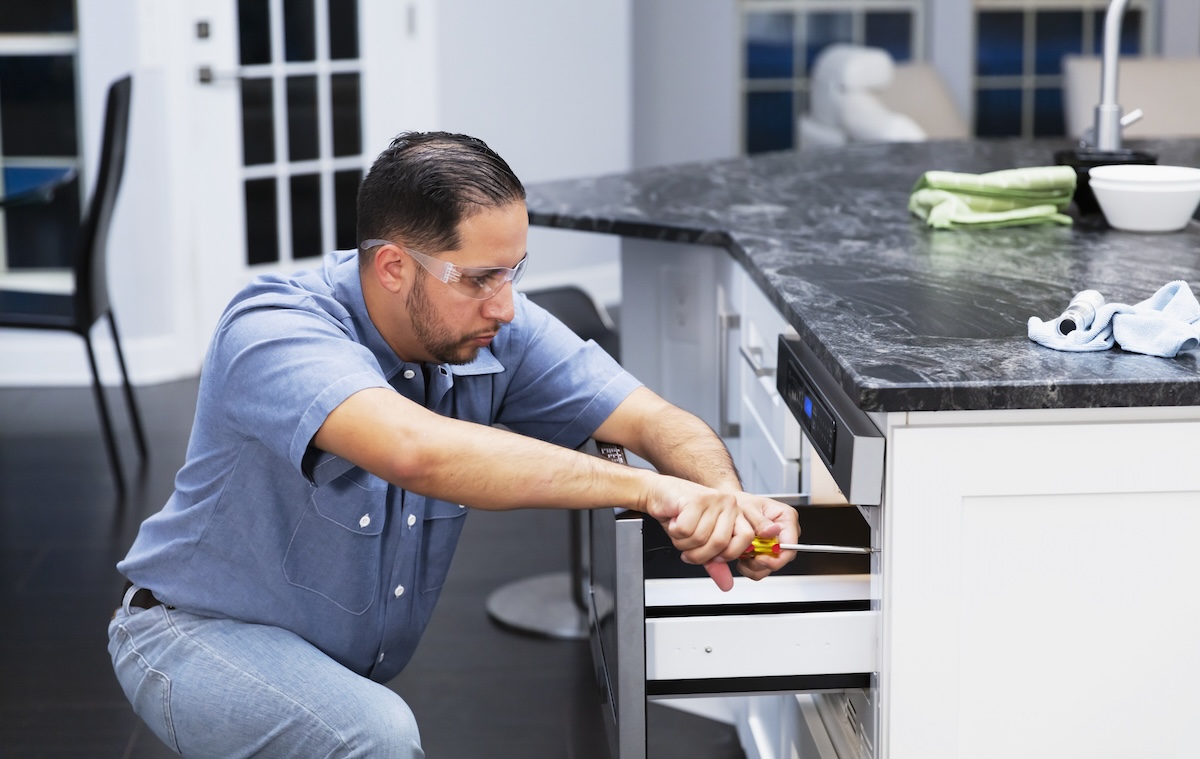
x: 260, y: 529
x: 263, y: 691
x: 1164, y: 325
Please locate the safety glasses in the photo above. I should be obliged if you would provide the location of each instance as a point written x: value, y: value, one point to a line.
x: 478, y: 282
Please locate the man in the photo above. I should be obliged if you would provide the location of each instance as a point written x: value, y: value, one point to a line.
x: 344, y: 423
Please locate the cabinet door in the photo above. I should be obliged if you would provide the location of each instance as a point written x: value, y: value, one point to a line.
x: 1040, y: 588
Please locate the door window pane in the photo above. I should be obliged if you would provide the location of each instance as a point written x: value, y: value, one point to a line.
x: 824, y: 29
x: 299, y: 31
x: 258, y: 122
x: 41, y: 235
x: 1048, y: 117
x: 1059, y: 33
x: 770, y: 121
x: 770, y: 46
x: 302, y: 117
x: 262, y: 221
x: 998, y: 113
x: 345, y: 200
x: 37, y: 105
x: 254, y: 32
x: 41, y: 17
x: 892, y: 32
x: 1000, y: 40
x: 347, y: 122
x: 343, y: 29
x: 306, y: 215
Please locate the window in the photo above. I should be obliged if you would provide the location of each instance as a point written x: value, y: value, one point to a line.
x: 782, y: 39
x: 1019, y: 48
x: 301, y: 126
x: 39, y: 137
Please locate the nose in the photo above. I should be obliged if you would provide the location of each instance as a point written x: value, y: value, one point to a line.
x: 499, y: 307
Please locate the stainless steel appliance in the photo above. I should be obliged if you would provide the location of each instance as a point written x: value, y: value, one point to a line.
x: 661, y: 630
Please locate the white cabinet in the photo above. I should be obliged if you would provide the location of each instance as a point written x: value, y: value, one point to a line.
x: 1038, y: 584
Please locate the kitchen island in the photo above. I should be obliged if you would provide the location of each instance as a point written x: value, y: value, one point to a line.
x: 1037, y: 509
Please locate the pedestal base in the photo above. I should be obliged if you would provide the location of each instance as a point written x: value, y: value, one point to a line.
x: 539, y: 605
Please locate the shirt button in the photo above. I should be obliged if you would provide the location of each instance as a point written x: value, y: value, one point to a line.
x: 409, y: 374
x: 380, y: 656
x: 399, y: 591
x: 366, y: 520
x: 412, y: 519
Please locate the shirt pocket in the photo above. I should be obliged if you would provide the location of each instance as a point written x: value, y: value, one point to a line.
x: 337, y: 547
x: 443, y: 524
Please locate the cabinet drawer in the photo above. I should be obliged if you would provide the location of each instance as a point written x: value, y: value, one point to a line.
x: 764, y: 467
x: 758, y: 349
x: 795, y: 633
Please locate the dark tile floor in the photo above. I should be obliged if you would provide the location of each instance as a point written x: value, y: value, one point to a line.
x: 478, y: 690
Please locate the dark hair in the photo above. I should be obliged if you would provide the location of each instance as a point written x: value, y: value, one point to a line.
x: 425, y: 183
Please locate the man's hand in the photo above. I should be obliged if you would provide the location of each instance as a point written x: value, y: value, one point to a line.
x: 713, y: 527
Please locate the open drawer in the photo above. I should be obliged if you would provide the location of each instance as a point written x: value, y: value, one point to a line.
x: 668, y: 636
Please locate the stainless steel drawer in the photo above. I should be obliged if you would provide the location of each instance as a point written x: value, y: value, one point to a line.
x: 656, y: 637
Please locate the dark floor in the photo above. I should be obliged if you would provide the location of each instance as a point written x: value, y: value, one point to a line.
x: 478, y: 690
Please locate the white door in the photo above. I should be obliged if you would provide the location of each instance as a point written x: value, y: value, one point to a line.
x: 278, y: 134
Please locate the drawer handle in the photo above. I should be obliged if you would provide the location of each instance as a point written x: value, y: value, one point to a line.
x: 754, y: 358
x: 728, y: 323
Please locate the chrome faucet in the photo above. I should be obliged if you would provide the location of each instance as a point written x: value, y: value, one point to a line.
x: 1109, y: 122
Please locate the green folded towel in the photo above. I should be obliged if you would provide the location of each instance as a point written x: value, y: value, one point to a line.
x: 1012, y: 197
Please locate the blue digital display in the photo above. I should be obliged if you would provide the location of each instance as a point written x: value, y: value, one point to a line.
x: 808, y: 406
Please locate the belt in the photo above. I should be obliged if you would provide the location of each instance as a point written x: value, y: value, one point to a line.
x: 142, y: 598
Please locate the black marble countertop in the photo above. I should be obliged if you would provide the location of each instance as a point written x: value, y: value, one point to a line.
x: 905, y: 317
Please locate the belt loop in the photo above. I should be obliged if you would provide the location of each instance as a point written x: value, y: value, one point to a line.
x: 129, y: 593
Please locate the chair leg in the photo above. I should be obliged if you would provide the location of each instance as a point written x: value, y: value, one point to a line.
x: 114, y: 458
x: 138, y: 434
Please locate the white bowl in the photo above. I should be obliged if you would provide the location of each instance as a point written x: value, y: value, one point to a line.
x: 1146, y: 197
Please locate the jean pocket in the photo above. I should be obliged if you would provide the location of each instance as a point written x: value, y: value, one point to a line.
x: 335, y: 550
x: 443, y: 524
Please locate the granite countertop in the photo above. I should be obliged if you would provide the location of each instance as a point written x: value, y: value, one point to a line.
x: 905, y: 317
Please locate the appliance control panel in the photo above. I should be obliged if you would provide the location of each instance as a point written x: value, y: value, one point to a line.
x: 841, y: 433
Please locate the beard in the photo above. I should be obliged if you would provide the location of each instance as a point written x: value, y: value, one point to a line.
x: 438, y: 340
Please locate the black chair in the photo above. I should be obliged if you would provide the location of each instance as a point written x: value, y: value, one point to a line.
x: 79, y: 311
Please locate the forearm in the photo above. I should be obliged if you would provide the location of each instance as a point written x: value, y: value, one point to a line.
x: 674, y: 441
x: 472, y: 464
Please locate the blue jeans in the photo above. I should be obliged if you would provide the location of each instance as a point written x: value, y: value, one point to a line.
x: 220, y: 688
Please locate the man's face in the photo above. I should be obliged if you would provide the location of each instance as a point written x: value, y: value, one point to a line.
x: 448, y: 326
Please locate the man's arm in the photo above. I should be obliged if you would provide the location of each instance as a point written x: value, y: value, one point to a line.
x: 681, y: 444
x: 483, y: 467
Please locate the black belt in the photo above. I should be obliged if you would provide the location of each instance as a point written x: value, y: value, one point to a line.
x: 142, y: 598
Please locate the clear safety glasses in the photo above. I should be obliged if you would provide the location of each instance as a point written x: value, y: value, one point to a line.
x: 478, y: 282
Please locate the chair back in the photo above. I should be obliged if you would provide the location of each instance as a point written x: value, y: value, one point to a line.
x: 91, y: 262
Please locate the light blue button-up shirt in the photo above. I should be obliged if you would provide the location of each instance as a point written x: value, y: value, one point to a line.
x: 263, y: 528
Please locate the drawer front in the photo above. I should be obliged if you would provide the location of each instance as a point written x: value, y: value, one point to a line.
x: 762, y: 464
x: 758, y: 349
x: 813, y: 643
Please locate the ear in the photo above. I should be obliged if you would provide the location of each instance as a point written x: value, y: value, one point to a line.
x: 392, y: 268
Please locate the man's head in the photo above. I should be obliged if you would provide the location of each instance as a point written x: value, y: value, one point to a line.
x: 421, y: 188
x: 442, y: 228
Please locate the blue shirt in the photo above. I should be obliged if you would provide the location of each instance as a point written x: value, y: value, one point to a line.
x: 264, y: 528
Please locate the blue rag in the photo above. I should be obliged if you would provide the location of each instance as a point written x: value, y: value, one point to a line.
x: 1164, y: 324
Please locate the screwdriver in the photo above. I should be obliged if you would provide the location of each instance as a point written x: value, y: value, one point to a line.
x: 772, y: 547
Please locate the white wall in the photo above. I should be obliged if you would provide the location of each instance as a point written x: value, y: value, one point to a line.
x: 686, y: 61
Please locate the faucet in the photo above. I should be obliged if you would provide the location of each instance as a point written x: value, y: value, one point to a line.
x: 1108, y: 113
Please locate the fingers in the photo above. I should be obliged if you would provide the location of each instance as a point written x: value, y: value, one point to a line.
x: 718, y: 570
x: 773, y: 520
x: 712, y: 528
